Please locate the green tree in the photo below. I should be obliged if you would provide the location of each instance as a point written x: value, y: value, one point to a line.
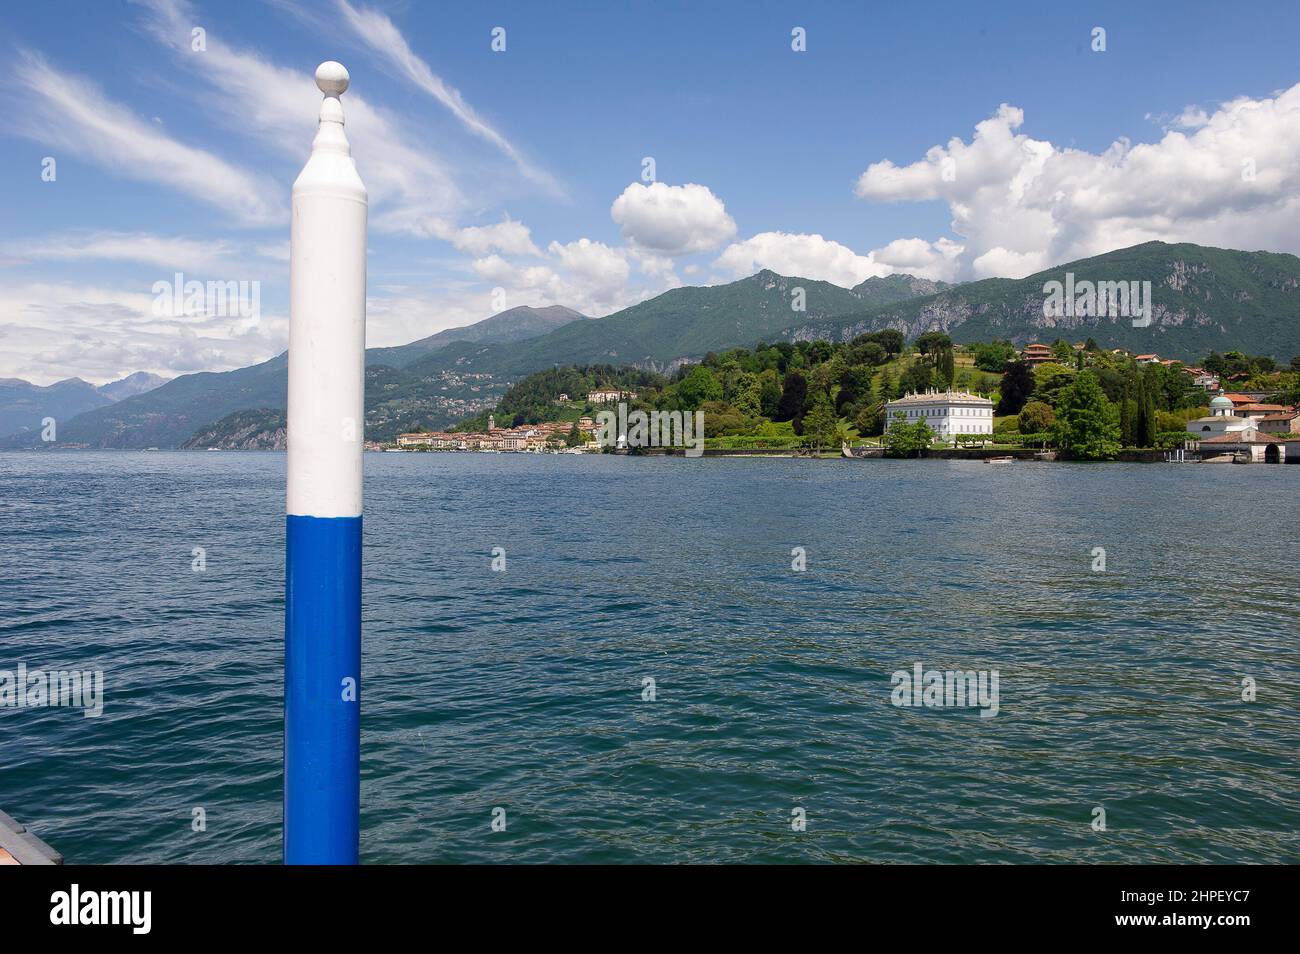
x: 870, y: 353
x: 575, y: 437
x: 1144, y: 427
x: 1036, y: 418
x: 891, y: 339
x: 1017, y: 385
x: 793, y: 394
x: 749, y: 397
x: 916, y: 378
x: 1087, y: 425
x: 946, y: 366
x: 770, y: 392
x: 933, y: 342
x: 887, y: 389
x: 721, y: 418
x: 821, y: 428
x: 907, y: 440
x: 994, y: 355
x: 1126, y: 415
x: 697, y: 387
x: 870, y: 421
x: 855, y: 386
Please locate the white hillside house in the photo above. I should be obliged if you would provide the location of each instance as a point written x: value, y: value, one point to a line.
x: 948, y: 413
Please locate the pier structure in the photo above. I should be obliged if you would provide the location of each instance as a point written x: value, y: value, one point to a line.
x: 18, y: 846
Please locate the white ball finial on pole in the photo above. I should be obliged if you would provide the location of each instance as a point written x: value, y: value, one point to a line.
x: 332, y: 78
x: 326, y: 425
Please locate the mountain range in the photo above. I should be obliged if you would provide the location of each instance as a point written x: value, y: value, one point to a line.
x: 513, y: 324
x: 1204, y: 299
x: 23, y: 405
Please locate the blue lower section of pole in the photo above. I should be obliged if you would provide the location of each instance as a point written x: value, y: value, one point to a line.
x: 322, y: 690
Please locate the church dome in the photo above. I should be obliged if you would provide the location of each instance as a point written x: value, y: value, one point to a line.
x: 1221, y: 402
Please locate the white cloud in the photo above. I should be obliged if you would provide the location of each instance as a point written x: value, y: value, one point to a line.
x: 382, y: 36
x: 71, y: 113
x: 648, y: 263
x: 510, y: 237
x: 397, y: 315
x: 165, y: 251
x: 674, y: 220
x: 1193, y: 117
x: 411, y: 190
x: 1021, y: 205
x: 803, y: 256
x: 602, y: 268
x: 812, y: 256
x: 916, y: 256
x: 592, y: 277
x: 54, y: 330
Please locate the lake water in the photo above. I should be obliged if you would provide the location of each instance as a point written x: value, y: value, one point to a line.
x: 523, y: 690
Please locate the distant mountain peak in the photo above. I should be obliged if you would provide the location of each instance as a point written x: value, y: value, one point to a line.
x: 138, y: 382
x: 514, y: 324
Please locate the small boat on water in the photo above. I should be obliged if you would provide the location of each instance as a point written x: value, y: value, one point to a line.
x: 999, y: 460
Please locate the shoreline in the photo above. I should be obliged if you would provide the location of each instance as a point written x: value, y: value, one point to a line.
x: 1009, y: 455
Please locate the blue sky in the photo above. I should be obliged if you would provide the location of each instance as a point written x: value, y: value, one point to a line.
x: 813, y: 163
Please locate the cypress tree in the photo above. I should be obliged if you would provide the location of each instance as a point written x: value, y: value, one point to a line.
x: 888, y: 389
x: 1126, y: 416
x: 947, y: 366
x: 1148, y: 434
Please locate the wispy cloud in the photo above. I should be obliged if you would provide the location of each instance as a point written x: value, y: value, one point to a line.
x: 72, y: 113
x: 380, y: 33
x: 411, y: 190
x: 164, y: 251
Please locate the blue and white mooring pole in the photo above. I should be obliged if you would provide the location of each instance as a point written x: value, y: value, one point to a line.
x: 322, y: 619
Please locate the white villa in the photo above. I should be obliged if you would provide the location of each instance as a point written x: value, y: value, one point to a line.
x: 1244, y: 435
x: 948, y: 413
x: 1221, y: 421
x: 609, y: 396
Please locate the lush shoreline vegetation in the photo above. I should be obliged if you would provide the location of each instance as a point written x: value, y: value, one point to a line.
x: 1086, y: 403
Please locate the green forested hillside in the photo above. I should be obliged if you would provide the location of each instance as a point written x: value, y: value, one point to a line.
x: 682, y: 323
x: 1206, y: 299
x: 878, y: 292
x: 513, y: 324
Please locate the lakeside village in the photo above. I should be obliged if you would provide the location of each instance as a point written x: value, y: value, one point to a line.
x: 876, y: 396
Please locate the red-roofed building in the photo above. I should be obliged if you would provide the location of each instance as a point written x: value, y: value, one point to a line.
x: 1037, y: 353
x: 1287, y: 422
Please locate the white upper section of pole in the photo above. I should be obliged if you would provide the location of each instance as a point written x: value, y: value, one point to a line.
x: 327, y: 319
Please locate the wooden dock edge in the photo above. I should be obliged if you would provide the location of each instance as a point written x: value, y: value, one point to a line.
x: 18, y: 846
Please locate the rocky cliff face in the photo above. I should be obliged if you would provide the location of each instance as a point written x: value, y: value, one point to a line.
x: 1202, y: 299
x: 262, y: 429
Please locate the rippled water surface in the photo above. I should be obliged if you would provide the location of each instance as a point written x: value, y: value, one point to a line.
x: 523, y: 689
